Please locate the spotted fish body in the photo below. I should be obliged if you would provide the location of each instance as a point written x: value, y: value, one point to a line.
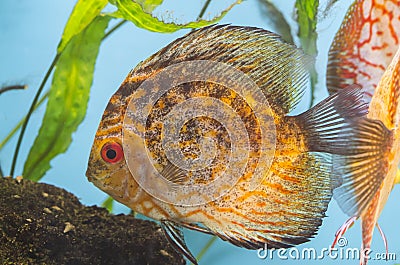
x: 288, y: 205
x: 366, y: 51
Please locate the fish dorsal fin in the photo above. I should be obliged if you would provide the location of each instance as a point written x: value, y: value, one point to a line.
x: 278, y: 68
x: 174, y: 234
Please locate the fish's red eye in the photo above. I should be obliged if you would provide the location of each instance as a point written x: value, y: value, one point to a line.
x: 112, y: 152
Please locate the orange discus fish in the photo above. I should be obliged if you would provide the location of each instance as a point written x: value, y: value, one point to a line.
x: 198, y: 135
x: 363, y: 48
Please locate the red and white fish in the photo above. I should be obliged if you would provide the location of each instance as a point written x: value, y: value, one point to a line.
x: 366, y: 51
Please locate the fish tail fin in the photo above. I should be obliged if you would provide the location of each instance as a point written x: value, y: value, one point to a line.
x: 359, y: 146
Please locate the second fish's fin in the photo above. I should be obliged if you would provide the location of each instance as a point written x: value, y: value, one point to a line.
x: 362, y: 173
x: 338, y: 126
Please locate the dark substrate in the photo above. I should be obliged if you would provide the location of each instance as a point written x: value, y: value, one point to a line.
x: 43, y: 224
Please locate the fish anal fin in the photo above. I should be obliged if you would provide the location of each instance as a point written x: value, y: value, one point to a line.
x: 369, y: 220
x: 288, y: 207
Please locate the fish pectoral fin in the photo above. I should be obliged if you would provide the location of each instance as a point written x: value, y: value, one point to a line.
x: 173, y: 233
x: 359, y: 146
x: 174, y: 173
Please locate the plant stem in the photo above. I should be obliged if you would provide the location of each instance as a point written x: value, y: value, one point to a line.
x: 119, y: 24
x: 209, y: 243
x: 203, y: 10
x: 28, y: 116
x: 8, y: 88
x: 313, y: 81
x: 16, y: 128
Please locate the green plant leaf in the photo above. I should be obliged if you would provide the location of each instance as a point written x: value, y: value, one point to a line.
x: 108, y: 204
x: 276, y: 19
x: 307, y: 11
x: 135, y: 13
x: 83, y: 13
x: 149, y: 5
x: 68, y: 97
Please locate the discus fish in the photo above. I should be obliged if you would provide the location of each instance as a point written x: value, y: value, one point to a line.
x: 364, y: 45
x: 363, y: 48
x: 281, y: 192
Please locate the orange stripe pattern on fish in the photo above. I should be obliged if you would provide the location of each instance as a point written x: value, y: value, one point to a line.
x: 202, y: 96
x: 366, y: 51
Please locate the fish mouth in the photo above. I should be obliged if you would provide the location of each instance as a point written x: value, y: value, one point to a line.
x: 91, y: 175
x: 95, y: 178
